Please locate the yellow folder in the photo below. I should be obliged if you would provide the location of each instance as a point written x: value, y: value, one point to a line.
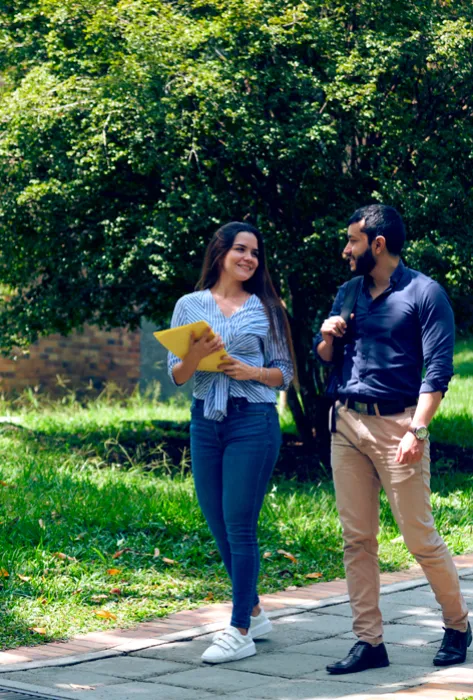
x: 177, y: 340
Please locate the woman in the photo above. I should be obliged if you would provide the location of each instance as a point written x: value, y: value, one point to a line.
x: 235, y: 434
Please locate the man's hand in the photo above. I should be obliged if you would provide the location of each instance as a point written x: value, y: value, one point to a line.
x: 204, y: 346
x: 333, y: 327
x: 410, y: 450
x: 237, y: 369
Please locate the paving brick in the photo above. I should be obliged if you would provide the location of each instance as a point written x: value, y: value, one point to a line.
x: 421, y: 596
x: 317, y: 625
x: 134, y: 668
x: 304, y: 689
x: 187, y: 652
x: 18, y: 656
x: 384, y: 678
x: 281, y: 664
x: 333, y: 648
x: 425, y: 692
x: 453, y: 675
x: 408, y: 635
x: 142, y: 691
x: 390, y: 611
x: 423, y: 621
x: 214, y: 678
x: 467, y: 588
x: 62, y: 678
x: 208, y: 613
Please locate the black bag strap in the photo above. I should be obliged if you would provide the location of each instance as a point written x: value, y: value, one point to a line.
x: 351, y: 295
x: 353, y: 289
x: 349, y: 302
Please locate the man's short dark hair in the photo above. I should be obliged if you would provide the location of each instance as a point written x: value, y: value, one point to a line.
x: 381, y: 220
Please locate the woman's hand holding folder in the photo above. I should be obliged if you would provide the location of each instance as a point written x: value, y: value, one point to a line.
x: 207, y: 344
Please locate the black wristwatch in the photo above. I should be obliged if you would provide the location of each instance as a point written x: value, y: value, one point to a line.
x: 421, y: 432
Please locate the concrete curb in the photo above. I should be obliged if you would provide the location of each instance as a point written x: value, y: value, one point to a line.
x: 34, y: 691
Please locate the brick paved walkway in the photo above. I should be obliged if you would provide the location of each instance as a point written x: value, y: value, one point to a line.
x: 312, y: 625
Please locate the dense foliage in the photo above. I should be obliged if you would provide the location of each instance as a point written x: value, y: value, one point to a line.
x: 130, y: 129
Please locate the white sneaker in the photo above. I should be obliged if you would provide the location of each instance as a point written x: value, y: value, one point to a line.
x: 260, y: 626
x: 230, y: 645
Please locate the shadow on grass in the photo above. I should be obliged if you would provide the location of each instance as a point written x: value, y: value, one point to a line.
x: 464, y: 358
x: 453, y: 438
x: 165, y: 445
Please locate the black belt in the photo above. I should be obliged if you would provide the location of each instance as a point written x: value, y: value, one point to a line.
x: 385, y: 408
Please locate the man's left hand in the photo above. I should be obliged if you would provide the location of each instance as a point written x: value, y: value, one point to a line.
x: 410, y: 450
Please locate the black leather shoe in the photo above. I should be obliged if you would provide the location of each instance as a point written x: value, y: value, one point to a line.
x: 361, y: 657
x: 453, y: 647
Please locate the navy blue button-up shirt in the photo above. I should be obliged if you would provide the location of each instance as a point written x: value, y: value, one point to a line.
x: 394, y: 336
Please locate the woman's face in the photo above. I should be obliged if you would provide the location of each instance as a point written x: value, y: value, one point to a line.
x: 241, y: 261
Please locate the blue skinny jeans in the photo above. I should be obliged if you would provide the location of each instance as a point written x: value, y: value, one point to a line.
x: 232, y: 462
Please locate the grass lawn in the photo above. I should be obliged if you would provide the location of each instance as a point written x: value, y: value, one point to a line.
x: 94, y: 535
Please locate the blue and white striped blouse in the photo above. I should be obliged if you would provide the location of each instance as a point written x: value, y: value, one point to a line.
x: 247, y: 337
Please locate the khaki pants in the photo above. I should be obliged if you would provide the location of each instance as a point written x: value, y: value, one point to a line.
x: 363, y: 460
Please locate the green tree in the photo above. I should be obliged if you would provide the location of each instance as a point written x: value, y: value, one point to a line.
x: 129, y: 130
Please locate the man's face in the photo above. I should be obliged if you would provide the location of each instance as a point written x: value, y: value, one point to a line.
x: 358, y: 251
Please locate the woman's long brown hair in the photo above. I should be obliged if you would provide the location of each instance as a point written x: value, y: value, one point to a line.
x: 260, y: 283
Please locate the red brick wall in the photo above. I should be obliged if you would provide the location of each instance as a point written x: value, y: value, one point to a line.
x: 94, y: 355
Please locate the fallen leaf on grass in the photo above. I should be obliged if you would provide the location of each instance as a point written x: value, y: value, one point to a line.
x: 116, y: 591
x: 98, y: 598
x: 43, y: 601
x: 156, y: 553
x: 291, y: 588
x: 314, y: 575
x: 62, y: 556
x: 288, y: 555
x: 120, y: 552
x: 4, y: 573
x: 209, y: 596
x: 41, y: 524
x: 266, y: 555
x: 105, y: 614
x: 113, y: 572
x: 38, y: 630
x: 80, y: 536
x: 169, y: 561
x: 7, y: 485
x: 24, y: 578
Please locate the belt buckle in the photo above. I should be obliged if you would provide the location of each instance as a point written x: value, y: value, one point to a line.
x: 360, y: 407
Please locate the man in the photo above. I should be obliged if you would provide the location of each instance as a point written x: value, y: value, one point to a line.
x: 402, y: 321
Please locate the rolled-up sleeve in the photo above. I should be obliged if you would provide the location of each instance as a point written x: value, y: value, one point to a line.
x: 335, y: 311
x: 438, y: 338
x: 276, y: 354
x: 178, y: 319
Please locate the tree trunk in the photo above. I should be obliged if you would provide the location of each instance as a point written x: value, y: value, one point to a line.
x: 309, y: 406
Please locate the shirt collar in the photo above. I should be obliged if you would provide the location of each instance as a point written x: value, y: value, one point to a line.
x: 394, y: 279
x: 397, y: 274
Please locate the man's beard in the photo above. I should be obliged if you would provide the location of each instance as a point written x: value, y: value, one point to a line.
x: 365, y: 263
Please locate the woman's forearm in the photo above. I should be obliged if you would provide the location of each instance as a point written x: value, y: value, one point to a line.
x: 269, y: 376
x: 184, y: 370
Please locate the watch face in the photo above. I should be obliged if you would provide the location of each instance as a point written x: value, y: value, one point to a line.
x: 422, y: 433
